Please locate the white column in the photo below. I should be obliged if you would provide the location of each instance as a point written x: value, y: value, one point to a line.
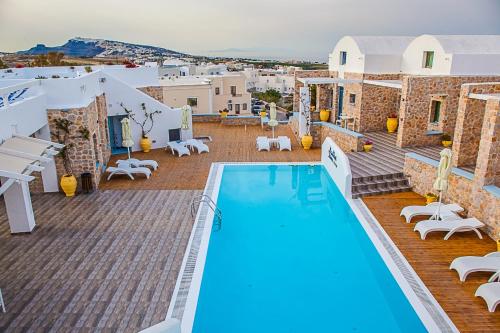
x: 304, y: 106
x: 210, y: 100
x: 19, y: 210
x: 49, y: 173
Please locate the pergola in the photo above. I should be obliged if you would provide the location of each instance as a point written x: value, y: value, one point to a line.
x: 19, y: 157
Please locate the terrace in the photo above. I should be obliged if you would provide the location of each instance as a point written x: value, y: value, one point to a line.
x: 108, y: 261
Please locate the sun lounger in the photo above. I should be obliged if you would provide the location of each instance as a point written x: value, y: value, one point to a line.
x: 284, y: 143
x: 263, y: 143
x: 125, y: 169
x: 448, y: 210
x: 139, y: 163
x: 450, y: 225
x: 469, y: 264
x: 490, y: 292
x: 2, y: 304
x: 180, y: 148
x: 198, y: 144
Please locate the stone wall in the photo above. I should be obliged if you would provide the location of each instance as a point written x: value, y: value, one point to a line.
x: 347, y: 140
x: 206, y: 118
x: 477, y: 201
x: 416, y: 96
x: 244, y: 120
x: 86, y: 155
x: 155, y: 92
x: 377, y: 104
x: 469, y: 123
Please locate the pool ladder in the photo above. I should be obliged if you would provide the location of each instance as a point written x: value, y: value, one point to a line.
x: 211, y: 204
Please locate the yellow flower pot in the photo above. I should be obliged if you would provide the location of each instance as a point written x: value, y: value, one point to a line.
x: 367, y: 148
x: 447, y: 144
x: 324, y: 115
x: 307, y: 141
x: 68, y: 185
x: 223, y: 114
x: 392, y: 125
x: 430, y: 199
x: 145, y: 144
x: 263, y: 114
x: 498, y: 245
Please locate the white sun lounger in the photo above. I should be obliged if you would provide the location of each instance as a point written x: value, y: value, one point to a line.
x: 125, y: 169
x: 263, y: 143
x: 180, y: 148
x: 490, y: 292
x: 134, y: 162
x: 470, y: 264
x: 450, y: 225
x: 445, y: 211
x: 284, y: 143
x: 198, y: 144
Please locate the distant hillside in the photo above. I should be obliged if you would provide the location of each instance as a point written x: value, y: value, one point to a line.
x: 87, y: 47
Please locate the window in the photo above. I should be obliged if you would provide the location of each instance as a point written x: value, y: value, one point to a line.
x: 230, y: 107
x: 233, y: 90
x: 352, y: 98
x: 428, y: 59
x: 245, y: 107
x: 237, y: 108
x: 343, y: 57
x: 435, y: 111
x: 192, y: 101
x: 217, y: 90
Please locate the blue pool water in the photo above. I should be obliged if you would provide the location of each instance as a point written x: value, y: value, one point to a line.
x: 292, y: 257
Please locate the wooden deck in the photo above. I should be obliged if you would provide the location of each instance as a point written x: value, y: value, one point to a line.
x: 431, y: 259
x: 106, y: 261
x: 229, y: 144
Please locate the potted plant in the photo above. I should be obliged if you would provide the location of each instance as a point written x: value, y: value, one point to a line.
x: 392, y: 123
x: 146, y: 125
x: 446, y: 140
x: 430, y: 198
x: 223, y: 113
x: 307, y: 139
x: 88, y: 69
x: 263, y: 113
x: 324, y: 114
x: 68, y: 180
x: 368, y: 145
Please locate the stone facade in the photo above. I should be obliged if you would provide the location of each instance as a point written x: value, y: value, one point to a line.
x: 469, y: 124
x: 86, y: 155
x: 377, y: 104
x: 466, y: 192
x: 155, y: 92
x: 245, y: 120
x: 415, y: 109
x: 305, y: 74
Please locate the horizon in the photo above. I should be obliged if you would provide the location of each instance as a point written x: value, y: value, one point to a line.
x: 259, y: 30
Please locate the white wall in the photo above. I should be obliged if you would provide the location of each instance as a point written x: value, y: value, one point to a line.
x: 337, y: 165
x: 119, y: 92
x: 382, y: 64
x: 475, y: 64
x: 355, y: 59
x: 412, y: 62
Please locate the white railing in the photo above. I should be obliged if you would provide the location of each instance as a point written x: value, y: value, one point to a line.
x: 15, y: 92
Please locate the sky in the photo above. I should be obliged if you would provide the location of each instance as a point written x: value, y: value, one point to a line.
x: 286, y: 29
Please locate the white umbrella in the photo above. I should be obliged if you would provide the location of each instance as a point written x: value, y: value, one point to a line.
x: 272, y: 115
x: 186, y: 109
x: 126, y: 135
x: 443, y: 173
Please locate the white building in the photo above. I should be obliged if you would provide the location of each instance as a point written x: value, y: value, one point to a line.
x: 262, y: 80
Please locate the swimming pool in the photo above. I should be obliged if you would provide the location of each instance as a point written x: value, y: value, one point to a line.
x: 291, y: 256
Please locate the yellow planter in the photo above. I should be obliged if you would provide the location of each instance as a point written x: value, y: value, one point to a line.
x: 68, y: 185
x: 145, y: 145
x: 447, y: 144
x: 430, y: 199
x: 307, y: 141
x: 223, y: 114
x: 324, y: 115
x: 392, y: 125
x: 367, y: 148
x: 498, y: 245
x: 263, y: 114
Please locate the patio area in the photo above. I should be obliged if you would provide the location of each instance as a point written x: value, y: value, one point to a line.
x: 230, y: 143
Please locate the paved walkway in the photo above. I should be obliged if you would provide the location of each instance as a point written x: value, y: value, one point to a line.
x: 101, y: 262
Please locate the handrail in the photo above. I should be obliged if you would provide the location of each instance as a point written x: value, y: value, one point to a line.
x: 211, y: 204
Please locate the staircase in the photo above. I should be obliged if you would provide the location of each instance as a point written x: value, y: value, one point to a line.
x: 381, y: 170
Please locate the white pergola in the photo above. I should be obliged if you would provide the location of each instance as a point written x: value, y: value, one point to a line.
x: 19, y: 157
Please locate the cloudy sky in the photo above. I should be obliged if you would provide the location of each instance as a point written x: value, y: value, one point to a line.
x: 306, y: 29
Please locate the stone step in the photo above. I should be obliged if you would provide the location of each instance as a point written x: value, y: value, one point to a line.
x: 379, y: 184
x: 387, y: 190
x: 378, y: 178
